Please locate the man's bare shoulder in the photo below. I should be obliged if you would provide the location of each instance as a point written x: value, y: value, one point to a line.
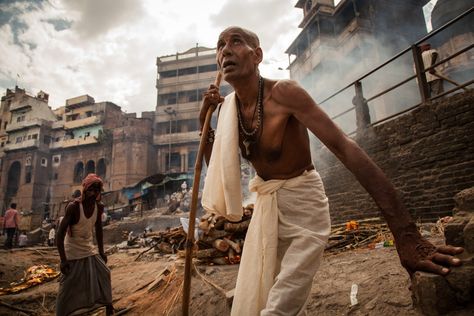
x: 291, y: 95
x: 284, y: 89
x: 73, y: 207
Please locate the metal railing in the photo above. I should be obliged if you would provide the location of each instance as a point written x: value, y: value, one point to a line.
x: 360, y: 103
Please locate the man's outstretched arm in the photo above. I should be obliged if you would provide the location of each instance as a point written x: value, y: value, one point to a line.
x: 416, y: 253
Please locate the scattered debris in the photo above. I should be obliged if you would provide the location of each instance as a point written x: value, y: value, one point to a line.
x: 371, y: 232
x: 34, y: 275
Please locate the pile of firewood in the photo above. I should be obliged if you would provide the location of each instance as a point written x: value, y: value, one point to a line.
x: 222, y: 241
x: 168, y: 241
x: 353, y: 235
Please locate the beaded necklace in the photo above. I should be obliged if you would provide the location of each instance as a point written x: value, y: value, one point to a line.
x: 248, y: 135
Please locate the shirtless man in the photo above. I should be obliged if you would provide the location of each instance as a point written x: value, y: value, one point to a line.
x: 85, y: 283
x: 273, y: 137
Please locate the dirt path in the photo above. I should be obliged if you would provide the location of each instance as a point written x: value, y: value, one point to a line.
x: 382, y: 284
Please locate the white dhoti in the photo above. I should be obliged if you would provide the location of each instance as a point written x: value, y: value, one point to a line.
x: 283, y: 247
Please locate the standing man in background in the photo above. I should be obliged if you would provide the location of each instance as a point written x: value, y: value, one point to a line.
x: 10, y: 225
x: 85, y: 282
x: 430, y: 56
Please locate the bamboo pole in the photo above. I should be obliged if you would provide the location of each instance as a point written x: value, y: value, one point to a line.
x: 192, y: 212
x: 450, y: 81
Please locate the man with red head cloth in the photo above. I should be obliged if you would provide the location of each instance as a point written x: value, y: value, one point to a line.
x: 85, y: 283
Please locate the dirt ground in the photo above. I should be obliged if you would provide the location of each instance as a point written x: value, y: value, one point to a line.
x: 383, y: 285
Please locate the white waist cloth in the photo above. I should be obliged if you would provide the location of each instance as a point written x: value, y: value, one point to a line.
x: 283, y: 247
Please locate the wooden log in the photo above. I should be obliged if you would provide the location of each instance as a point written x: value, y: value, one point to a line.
x: 221, y: 245
x: 209, y: 253
x: 237, y: 227
x: 233, y: 245
x: 164, y: 247
x: 219, y: 222
x: 19, y: 309
x: 215, y: 234
x: 231, y: 256
x: 219, y: 260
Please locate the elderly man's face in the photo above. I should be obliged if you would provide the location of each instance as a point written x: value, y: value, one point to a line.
x: 237, y: 53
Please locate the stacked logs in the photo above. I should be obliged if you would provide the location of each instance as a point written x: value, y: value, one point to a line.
x: 168, y: 241
x: 222, y: 241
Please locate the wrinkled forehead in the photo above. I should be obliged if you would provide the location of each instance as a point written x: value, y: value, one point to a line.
x: 250, y: 37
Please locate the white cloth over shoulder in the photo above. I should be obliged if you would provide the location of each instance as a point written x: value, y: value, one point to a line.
x: 222, y: 192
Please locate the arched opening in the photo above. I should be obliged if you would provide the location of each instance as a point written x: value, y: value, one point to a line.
x: 90, y: 167
x: 78, y: 172
x: 101, y: 168
x: 13, y: 180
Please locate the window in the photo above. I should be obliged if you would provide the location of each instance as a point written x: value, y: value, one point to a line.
x: 89, y: 113
x: 46, y: 139
x: 28, y: 161
x: 19, y: 139
x: 207, y: 68
x: 187, y: 71
x: 34, y: 136
x: 55, y: 177
x: 28, y: 176
x: 56, y: 160
x: 87, y: 134
x: 168, y: 74
x: 20, y: 118
x: 29, y: 137
x: 44, y: 162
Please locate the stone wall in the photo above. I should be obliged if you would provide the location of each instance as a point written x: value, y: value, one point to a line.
x: 428, y: 153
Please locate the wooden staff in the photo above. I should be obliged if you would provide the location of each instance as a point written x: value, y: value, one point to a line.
x: 192, y: 212
x: 449, y: 80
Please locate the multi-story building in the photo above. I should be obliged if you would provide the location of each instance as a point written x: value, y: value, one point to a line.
x: 454, y: 38
x: 182, y: 79
x: 47, y: 153
x: 26, y: 137
x: 339, y: 43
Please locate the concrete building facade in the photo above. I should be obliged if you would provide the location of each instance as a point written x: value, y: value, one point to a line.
x: 339, y: 43
x: 47, y: 153
x: 182, y: 79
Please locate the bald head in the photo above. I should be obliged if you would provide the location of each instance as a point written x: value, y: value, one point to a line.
x: 250, y: 37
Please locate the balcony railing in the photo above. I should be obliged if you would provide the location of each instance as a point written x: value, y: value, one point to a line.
x: 176, y: 138
x: 22, y: 145
x: 76, y: 142
x: 355, y: 107
x: 14, y: 126
x: 82, y: 122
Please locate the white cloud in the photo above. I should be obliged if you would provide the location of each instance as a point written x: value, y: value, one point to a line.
x: 108, y: 48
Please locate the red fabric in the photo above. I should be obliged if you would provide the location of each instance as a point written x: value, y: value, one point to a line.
x: 11, y: 218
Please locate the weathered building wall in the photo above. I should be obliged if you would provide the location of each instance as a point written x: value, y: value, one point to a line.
x: 62, y: 183
x: 33, y: 180
x: 428, y: 153
x: 132, y: 152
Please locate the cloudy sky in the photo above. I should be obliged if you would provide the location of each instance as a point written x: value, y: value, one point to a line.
x: 108, y: 48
